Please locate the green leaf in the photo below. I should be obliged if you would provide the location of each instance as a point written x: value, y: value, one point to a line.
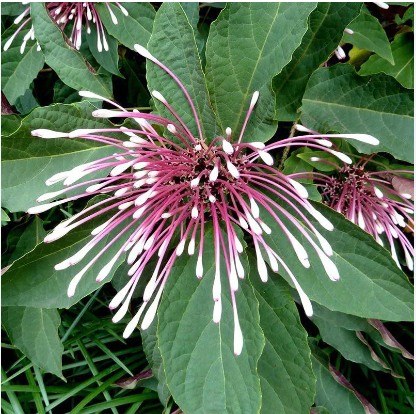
x: 4, y: 216
x: 296, y: 164
x: 403, y: 69
x: 12, y: 8
x: 337, y: 99
x: 154, y: 358
x: 408, y: 15
x: 64, y: 94
x: 35, y: 332
x: 370, y: 281
x: 33, y: 281
x: 347, y: 343
x: 329, y: 393
x: 28, y: 161
x: 108, y: 59
x: 22, y: 240
x: 27, y: 102
x: 9, y: 124
x: 369, y: 35
x: 319, y: 165
x: 201, y: 369
x: 326, y: 25
x: 173, y: 43
x: 63, y: 58
x: 247, y: 46
x: 285, y: 368
x: 131, y: 29
x: 18, y: 70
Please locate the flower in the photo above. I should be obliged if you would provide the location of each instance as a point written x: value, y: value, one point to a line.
x: 63, y: 13
x: 372, y: 199
x: 164, y: 187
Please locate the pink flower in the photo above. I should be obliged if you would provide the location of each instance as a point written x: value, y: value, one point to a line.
x: 371, y: 200
x: 63, y: 13
x: 163, y: 187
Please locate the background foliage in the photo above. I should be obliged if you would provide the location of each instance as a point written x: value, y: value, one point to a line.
x: 64, y: 354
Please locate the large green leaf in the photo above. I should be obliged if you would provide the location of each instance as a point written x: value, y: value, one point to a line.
x: 35, y: 332
x: 63, y: 58
x: 337, y: 99
x: 403, y: 69
x: 173, y: 43
x: 33, y: 281
x: 28, y: 161
x: 131, y: 29
x: 201, y: 369
x: 370, y: 281
x: 326, y: 25
x: 285, y: 368
x: 22, y: 240
x: 369, y: 35
x: 18, y: 70
x: 247, y: 45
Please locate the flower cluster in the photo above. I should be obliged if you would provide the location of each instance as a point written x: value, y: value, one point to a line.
x: 174, y: 185
x: 369, y: 199
x: 63, y: 13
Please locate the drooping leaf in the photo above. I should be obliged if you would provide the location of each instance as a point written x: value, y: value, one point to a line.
x: 247, y: 46
x: 18, y: 70
x: 201, y: 369
x: 22, y: 240
x: 369, y: 35
x: 370, y: 281
x: 67, y: 62
x: 131, y: 29
x: 35, y: 332
x: 285, y: 368
x: 28, y: 161
x: 326, y: 25
x: 331, y: 394
x: 108, y: 59
x: 403, y: 68
x: 33, y: 281
x: 347, y: 343
x: 173, y: 43
x: 337, y: 99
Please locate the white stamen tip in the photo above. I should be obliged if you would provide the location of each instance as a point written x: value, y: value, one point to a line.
x: 266, y: 157
x: 233, y: 170
x: 159, y: 97
x: 301, y: 128
x: 228, y: 148
x: 254, y: 98
x: 47, y: 133
x: 143, y: 51
x: 300, y: 189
